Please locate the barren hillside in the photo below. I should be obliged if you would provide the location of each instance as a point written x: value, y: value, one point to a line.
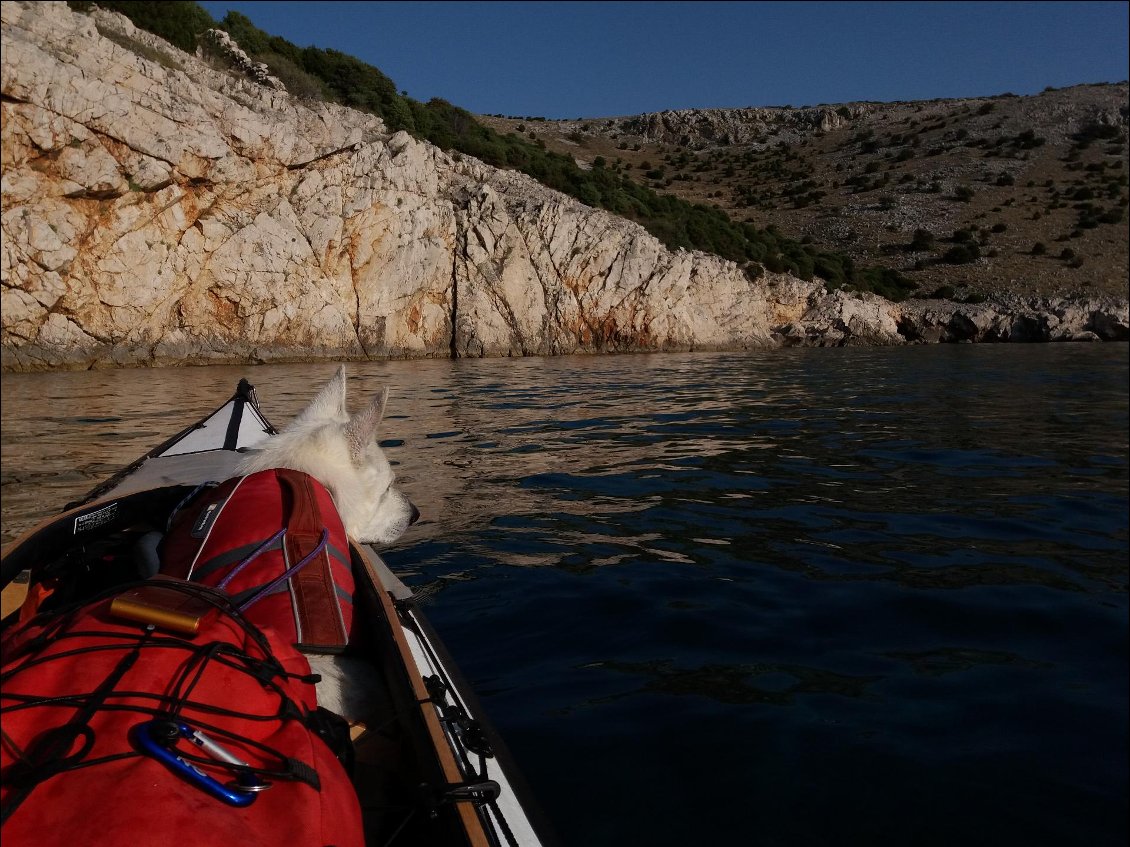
x: 1006, y: 194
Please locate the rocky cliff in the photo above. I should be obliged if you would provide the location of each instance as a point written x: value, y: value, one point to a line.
x: 161, y: 208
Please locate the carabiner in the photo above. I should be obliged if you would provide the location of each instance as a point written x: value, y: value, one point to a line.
x: 158, y: 738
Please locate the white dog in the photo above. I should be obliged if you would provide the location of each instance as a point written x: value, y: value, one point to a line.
x: 340, y: 452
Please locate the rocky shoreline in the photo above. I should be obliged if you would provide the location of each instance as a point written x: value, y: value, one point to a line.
x: 160, y: 209
x: 835, y: 320
x: 839, y: 321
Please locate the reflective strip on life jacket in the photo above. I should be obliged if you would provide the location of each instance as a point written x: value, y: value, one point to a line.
x: 210, y: 540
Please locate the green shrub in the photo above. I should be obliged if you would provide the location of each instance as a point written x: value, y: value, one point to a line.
x: 1039, y: 249
x: 1028, y: 140
x: 1095, y: 131
x: 298, y: 83
x: 963, y: 193
x: 885, y: 282
x: 962, y: 254
x: 177, y: 21
x: 249, y: 37
x: 923, y: 240
x: 775, y: 264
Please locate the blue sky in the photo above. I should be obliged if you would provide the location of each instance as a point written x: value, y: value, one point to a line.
x: 598, y: 59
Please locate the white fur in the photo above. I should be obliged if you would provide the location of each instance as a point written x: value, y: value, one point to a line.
x: 340, y: 451
x: 318, y: 442
x: 349, y: 687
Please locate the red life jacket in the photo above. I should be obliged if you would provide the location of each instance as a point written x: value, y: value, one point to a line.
x: 78, y: 685
x: 315, y: 606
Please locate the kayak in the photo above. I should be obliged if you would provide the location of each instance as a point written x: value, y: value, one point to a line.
x: 425, y: 737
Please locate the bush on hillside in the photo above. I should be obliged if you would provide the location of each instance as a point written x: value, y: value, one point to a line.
x: 298, y: 83
x: 923, y: 240
x: 962, y: 254
x: 180, y: 22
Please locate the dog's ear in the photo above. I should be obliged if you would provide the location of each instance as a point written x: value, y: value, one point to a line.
x: 329, y: 404
x: 363, y: 426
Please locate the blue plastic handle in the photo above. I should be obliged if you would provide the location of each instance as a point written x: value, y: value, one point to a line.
x: 156, y: 747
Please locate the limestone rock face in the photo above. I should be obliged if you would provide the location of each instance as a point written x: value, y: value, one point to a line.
x: 161, y: 208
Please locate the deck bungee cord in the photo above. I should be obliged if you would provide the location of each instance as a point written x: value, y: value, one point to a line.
x: 52, y: 751
x: 151, y: 604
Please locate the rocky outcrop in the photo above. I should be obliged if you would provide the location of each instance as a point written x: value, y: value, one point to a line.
x: 160, y: 208
x: 1015, y: 319
x: 837, y: 320
x: 705, y: 128
x: 223, y: 45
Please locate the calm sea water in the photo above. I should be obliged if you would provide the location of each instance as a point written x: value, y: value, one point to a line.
x: 799, y: 597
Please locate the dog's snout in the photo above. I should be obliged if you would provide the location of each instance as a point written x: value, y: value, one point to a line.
x: 414, y: 515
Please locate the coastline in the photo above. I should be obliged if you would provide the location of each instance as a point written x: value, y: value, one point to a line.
x: 835, y: 320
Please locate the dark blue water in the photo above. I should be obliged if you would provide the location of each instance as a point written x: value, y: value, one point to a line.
x: 798, y: 597
x: 806, y: 598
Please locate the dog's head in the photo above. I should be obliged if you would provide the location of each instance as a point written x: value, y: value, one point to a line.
x: 340, y: 451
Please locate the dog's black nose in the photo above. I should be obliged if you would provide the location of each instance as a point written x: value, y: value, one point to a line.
x: 415, y: 516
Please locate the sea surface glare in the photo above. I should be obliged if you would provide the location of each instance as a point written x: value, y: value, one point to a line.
x: 791, y: 597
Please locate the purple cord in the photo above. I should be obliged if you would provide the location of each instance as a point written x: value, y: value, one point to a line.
x: 254, y: 554
x: 275, y: 583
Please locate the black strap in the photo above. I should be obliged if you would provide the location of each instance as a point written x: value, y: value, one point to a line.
x: 231, y: 438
